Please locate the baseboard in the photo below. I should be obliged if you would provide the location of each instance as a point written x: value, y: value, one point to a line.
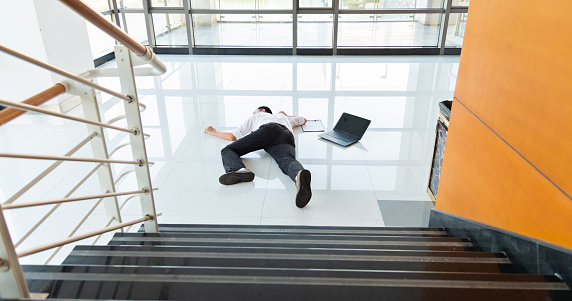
x: 529, y: 255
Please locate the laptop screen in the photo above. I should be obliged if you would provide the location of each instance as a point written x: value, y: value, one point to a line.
x: 352, y: 125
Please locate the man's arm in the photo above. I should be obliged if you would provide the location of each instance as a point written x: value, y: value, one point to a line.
x: 294, y: 120
x: 223, y: 135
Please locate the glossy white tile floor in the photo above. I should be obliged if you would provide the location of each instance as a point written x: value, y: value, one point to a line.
x: 380, y: 181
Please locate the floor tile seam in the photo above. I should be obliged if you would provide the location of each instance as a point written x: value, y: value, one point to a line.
x: 265, y: 195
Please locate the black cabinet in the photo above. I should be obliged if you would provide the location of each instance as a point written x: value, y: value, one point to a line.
x: 439, y: 149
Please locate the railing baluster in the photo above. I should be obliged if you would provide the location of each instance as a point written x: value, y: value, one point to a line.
x: 126, y: 77
x: 13, y: 283
x: 99, y: 147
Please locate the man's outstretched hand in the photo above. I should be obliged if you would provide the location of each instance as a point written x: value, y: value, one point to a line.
x: 210, y: 130
x: 223, y: 135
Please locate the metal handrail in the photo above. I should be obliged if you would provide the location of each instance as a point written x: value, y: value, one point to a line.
x: 130, y: 55
x: 65, y: 158
x: 43, y: 219
x: 47, y: 171
x: 43, y: 111
x: 10, y: 114
x: 111, y: 29
x: 85, y: 217
x: 83, y: 236
x: 95, y: 18
x: 62, y: 72
x: 66, y: 200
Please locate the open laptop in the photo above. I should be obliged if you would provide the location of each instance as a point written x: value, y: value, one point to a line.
x: 349, y: 129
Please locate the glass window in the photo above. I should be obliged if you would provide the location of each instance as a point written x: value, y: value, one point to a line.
x: 389, y: 4
x: 388, y: 30
x: 464, y: 3
x: 129, y: 4
x: 315, y: 30
x: 134, y: 25
x: 170, y: 3
x: 98, y: 4
x: 170, y: 30
x: 242, y: 4
x: 456, y: 30
x: 315, y: 3
x: 242, y: 30
x: 274, y: 4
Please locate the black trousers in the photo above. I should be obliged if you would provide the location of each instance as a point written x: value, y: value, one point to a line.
x: 275, y: 139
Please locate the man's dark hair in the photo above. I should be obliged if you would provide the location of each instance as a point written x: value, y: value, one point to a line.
x: 266, y: 109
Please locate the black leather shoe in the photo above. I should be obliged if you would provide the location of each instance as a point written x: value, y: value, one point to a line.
x: 303, y: 190
x: 234, y: 177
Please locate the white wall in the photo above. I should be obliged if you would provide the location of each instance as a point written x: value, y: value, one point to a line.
x: 65, y: 38
x: 20, y: 31
x: 45, y: 30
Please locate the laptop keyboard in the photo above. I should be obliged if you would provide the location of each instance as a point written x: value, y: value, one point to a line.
x: 340, y: 136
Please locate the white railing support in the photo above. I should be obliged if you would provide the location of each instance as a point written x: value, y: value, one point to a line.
x: 12, y: 282
x: 127, y: 79
x: 99, y: 147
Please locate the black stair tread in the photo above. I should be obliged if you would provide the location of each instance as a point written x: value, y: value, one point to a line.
x: 185, y: 287
x: 293, y: 238
x: 289, y: 251
x: 325, y: 235
x: 291, y: 244
x: 477, y: 265
x: 35, y: 272
x: 295, y: 227
x: 39, y: 268
x: 402, y: 231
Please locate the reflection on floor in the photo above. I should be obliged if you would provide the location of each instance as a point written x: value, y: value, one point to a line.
x: 380, y: 181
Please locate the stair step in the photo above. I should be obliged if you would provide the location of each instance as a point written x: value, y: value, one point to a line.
x: 290, y: 251
x: 292, y: 240
x: 280, y: 258
x: 138, y: 283
x: 385, y: 231
x: 35, y: 271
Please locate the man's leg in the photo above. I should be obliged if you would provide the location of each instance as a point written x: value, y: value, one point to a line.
x: 285, y: 155
x: 235, y: 170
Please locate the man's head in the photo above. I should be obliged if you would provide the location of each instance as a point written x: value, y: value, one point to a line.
x: 263, y: 109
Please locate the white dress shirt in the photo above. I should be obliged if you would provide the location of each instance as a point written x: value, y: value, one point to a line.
x: 257, y: 120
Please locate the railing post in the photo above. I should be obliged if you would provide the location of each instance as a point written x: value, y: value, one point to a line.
x: 133, y: 116
x: 99, y: 148
x: 12, y: 282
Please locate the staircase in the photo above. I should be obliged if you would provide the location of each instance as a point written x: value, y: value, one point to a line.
x: 229, y: 262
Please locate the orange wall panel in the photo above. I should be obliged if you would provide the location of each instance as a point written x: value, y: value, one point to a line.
x: 515, y: 73
x: 483, y: 179
x: 508, y: 158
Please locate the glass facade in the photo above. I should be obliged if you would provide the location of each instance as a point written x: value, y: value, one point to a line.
x: 409, y: 30
x: 321, y: 25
